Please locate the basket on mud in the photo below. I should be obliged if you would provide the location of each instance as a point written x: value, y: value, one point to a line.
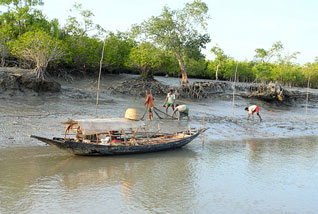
x: 132, y: 114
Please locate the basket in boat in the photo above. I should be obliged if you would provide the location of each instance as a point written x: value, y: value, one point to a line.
x: 132, y: 114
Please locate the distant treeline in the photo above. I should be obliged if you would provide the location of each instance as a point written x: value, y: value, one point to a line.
x: 164, y: 44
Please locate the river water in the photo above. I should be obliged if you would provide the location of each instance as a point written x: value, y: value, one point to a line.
x: 240, y: 167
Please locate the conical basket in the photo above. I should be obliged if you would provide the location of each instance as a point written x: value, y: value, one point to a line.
x: 132, y: 114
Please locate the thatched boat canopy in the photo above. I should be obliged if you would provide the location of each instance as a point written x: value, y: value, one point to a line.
x: 98, y: 126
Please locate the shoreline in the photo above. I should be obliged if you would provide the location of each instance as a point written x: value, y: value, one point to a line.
x: 21, y: 82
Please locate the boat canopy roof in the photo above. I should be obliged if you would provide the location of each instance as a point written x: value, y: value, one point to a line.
x: 97, y: 126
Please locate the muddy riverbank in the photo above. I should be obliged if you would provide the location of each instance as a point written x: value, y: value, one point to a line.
x: 22, y: 82
x: 272, y: 93
x: 15, y: 82
x: 42, y: 114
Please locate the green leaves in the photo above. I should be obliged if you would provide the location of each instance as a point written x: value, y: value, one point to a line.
x: 85, y: 25
x: 265, y: 56
x: 177, y: 31
x: 21, y: 3
x: 84, y: 51
x: 167, y: 44
x: 147, y: 57
x: 37, y: 47
x: 117, y: 50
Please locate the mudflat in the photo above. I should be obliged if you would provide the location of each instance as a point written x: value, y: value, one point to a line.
x: 242, y: 166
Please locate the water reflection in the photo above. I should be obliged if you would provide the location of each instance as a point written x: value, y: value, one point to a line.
x: 305, y: 147
x: 29, y: 175
x: 257, y: 176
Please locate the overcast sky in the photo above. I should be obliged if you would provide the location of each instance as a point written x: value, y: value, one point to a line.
x: 237, y: 26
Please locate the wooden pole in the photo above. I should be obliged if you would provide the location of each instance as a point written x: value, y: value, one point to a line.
x: 99, y: 75
x: 234, y: 92
x: 203, y: 123
x: 307, y: 96
x: 159, y: 129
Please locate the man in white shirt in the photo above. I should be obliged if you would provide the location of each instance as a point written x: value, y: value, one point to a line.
x: 251, y: 110
x: 183, y: 111
x: 170, y: 100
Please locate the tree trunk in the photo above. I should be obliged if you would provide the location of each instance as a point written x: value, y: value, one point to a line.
x: 3, y: 61
x: 40, y: 73
x: 146, y: 73
x: 183, y: 70
x: 216, y: 72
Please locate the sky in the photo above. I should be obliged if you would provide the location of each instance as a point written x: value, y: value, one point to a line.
x: 236, y: 26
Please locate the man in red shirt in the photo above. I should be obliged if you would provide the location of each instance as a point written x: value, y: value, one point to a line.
x: 149, y: 103
x: 251, y: 110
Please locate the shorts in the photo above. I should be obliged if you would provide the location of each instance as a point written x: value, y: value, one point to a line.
x: 169, y: 104
x: 184, y: 114
x: 256, y: 110
x: 150, y: 109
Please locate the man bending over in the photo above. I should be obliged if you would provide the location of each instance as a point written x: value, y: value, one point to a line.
x: 251, y: 110
x: 183, y: 111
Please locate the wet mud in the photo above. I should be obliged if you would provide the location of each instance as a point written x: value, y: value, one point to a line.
x: 41, y: 115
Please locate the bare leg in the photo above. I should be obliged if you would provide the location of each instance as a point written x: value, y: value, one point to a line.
x: 150, y: 116
x: 260, y: 118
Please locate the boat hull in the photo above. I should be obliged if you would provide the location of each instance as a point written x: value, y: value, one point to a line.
x: 78, y: 148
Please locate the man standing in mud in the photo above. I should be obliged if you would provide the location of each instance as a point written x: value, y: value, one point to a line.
x: 149, y: 103
x: 251, y: 110
x: 170, y: 100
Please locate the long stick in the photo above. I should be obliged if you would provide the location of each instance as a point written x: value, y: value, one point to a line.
x: 203, y: 123
x: 234, y: 92
x: 307, y: 95
x: 99, y: 75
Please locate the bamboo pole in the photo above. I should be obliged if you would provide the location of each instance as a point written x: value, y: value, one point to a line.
x: 99, y: 75
x: 233, y: 105
x: 307, y: 96
x: 203, y: 123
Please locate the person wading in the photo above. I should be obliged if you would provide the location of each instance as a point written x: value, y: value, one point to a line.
x: 251, y: 110
x: 170, y: 100
x: 149, y: 103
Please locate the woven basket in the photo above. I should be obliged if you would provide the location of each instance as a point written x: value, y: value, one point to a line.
x: 132, y: 114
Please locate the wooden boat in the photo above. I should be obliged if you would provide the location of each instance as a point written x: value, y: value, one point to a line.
x: 117, y: 136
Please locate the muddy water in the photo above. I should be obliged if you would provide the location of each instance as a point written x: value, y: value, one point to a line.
x: 242, y: 167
